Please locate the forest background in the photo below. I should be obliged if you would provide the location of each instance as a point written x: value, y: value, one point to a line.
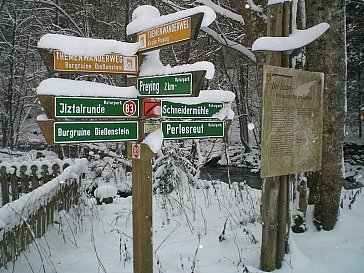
x: 226, y: 43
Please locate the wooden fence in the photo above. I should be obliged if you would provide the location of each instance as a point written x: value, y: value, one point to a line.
x: 28, y: 217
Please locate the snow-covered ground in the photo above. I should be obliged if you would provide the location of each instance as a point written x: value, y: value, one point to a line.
x: 188, y: 236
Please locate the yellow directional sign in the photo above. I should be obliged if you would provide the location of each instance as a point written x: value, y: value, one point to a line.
x: 108, y: 63
x: 59, y: 62
x: 172, y: 33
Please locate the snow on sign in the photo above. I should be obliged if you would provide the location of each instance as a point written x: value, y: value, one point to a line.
x: 88, y: 107
x: 292, y: 121
x: 192, y: 129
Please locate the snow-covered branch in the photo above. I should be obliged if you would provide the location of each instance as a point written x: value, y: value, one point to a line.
x: 222, y: 11
x: 229, y: 43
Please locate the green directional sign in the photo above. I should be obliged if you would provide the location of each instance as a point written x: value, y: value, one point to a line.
x: 70, y: 132
x: 181, y: 110
x: 87, y: 107
x: 171, y: 85
x: 192, y: 129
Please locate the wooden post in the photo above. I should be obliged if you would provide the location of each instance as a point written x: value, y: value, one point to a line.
x: 142, y: 211
x: 24, y: 179
x: 34, y: 177
x: 4, y: 186
x: 14, y: 186
x: 275, y: 200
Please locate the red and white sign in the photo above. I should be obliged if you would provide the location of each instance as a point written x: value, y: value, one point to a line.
x: 135, y: 151
x: 129, y: 107
x: 152, y: 108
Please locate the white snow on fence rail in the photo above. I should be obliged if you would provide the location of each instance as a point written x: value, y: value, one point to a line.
x: 86, y: 46
x: 12, y: 214
x: 39, y: 163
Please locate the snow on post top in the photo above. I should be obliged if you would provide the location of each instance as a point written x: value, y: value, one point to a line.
x: 152, y: 66
x: 146, y: 17
x: 86, y: 46
x: 298, y: 39
x: 64, y: 87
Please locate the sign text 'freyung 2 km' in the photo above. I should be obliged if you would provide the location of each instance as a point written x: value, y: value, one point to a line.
x: 166, y: 34
x: 108, y: 63
x: 73, y: 132
x: 90, y: 107
x: 170, y: 85
x: 192, y: 129
x: 180, y: 110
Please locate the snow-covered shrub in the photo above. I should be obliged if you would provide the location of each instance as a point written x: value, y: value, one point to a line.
x: 172, y: 167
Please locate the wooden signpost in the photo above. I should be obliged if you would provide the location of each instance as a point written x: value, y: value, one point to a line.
x: 59, y: 62
x: 196, y: 111
x: 176, y: 32
x: 121, y: 119
x: 291, y: 135
x: 192, y: 129
x: 89, y: 107
x: 174, y: 85
x: 63, y: 132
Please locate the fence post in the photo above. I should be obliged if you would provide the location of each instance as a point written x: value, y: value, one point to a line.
x: 55, y: 170
x: 34, y: 177
x: 45, y: 174
x: 14, y: 186
x: 24, y: 179
x: 4, y: 186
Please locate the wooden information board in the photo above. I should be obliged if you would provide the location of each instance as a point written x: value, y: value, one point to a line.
x: 292, y: 121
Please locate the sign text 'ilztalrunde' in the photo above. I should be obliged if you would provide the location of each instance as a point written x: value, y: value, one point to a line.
x: 108, y: 63
x: 88, y: 107
x: 72, y: 132
x: 192, y: 129
x: 166, y: 34
x: 180, y: 110
x: 171, y: 85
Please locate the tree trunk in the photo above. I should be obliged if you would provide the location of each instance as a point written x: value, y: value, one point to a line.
x: 328, y: 56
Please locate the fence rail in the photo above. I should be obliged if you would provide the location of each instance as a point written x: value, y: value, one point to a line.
x: 20, y: 178
x: 28, y: 217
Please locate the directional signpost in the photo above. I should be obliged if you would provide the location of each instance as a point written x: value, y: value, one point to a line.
x: 72, y: 132
x: 171, y: 33
x: 179, y: 110
x: 121, y: 119
x: 174, y: 85
x: 87, y: 107
x: 192, y: 129
x: 114, y: 63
